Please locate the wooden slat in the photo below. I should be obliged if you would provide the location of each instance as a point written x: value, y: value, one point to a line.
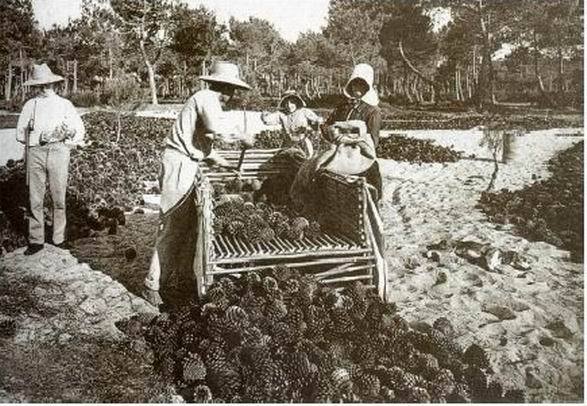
x: 335, y: 271
x: 347, y: 279
x: 315, y: 262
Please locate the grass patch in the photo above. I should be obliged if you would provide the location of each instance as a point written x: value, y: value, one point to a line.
x: 85, y: 371
x: 106, y: 253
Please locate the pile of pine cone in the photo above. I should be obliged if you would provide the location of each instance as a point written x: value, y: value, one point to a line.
x: 549, y: 210
x: 261, y: 222
x: 413, y: 150
x: 280, y: 337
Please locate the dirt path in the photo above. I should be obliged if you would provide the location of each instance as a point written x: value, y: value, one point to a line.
x: 59, y: 340
x: 540, y: 342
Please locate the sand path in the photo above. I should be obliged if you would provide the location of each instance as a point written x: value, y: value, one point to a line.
x: 541, y: 342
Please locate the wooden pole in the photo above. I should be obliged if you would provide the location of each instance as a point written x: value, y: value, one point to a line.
x: 20, y: 57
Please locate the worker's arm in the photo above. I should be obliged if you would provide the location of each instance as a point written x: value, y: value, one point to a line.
x: 272, y: 118
x: 329, y: 132
x: 217, y: 121
x: 185, y: 127
x: 74, y: 124
x: 374, y: 125
x: 312, y: 117
x: 23, y: 121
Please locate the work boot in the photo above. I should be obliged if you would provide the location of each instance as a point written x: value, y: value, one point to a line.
x: 152, y: 296
x: 33, y: 249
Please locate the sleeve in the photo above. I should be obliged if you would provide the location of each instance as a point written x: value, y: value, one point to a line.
x: 75, y: 124
x: 23, y: 121
x: 272, y: 118
x: 185, y: 127
x: 374, y: 125
x: 215, y: 120
x: 312, y: 117
x: 332, y: 118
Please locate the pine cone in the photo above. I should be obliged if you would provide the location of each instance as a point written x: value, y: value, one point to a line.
x: 427, y: 365
x: 237, y: 318
x: 444, y: 326
x: 202, y: 394
x: 476, y: 356
x: 418, y: 395
x: 442, y: 385
x: 368, y: 385
x: 194, y: 368
x: 478, y: 382
x: 515, y: 396
x: 300, y: 223
x: 324, y: 391
x: 461, y: 394
x: 494, y: 392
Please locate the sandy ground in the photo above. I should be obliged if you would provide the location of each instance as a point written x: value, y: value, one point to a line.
x: 540, y: 344
x: 536, y: 339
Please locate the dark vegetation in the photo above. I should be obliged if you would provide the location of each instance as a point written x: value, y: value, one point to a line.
x: 106, y: 178
x: 549, y: 210
x: 279, y: 337
x: 82, y: 370
x: 413, y: 150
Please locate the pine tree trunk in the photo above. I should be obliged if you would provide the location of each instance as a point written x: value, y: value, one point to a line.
x: 456, y: 85
x: 110, y: 62
x: 150, y: 72
x: 21, y: 61
x: 561, y: 71
x: 485, y: 85
x: 75, y: 75
x: 468, y: 84
x: 8, y: 83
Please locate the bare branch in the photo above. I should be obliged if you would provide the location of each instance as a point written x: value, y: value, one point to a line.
x: 412, y: 67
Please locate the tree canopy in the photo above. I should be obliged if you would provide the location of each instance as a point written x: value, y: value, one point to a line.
x: 166, y: 44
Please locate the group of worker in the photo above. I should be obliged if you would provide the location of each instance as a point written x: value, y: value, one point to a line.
x: 50, y: 127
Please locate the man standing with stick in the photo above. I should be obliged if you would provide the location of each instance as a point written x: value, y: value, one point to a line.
x: 175, y: 262
x: 50, y: 127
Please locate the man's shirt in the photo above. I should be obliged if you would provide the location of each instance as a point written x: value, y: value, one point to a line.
x: 200, y: 117
x: 53, y: 118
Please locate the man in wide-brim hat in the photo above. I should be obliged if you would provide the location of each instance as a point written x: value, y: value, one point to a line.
x: 175, y: 269
x: 50, y: 127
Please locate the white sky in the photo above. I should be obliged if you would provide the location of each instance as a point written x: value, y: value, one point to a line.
x: 290, y: 17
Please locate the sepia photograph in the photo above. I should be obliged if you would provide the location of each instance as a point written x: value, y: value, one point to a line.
x: 311, y: 201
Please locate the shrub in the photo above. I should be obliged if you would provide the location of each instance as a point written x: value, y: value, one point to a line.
x: 85, y: 98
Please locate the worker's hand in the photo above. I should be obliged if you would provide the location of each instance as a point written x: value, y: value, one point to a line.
x: 213, y: 159
x: 333, y: 133
x: 352, y: 126
x: 265, y: 115
x: 347, y: 139
x: 247, y: 140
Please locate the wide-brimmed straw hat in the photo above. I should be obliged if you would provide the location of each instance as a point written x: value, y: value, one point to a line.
x: 225, y: 72
x: 42, y: 75
x: 291, y: 95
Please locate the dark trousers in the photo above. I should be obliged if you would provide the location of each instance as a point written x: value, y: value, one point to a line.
x: 373, y: 177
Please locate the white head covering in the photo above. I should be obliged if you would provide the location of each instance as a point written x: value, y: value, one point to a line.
x: 365, y: 72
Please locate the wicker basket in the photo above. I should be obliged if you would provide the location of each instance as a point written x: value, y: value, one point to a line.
x: 347, y: 250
